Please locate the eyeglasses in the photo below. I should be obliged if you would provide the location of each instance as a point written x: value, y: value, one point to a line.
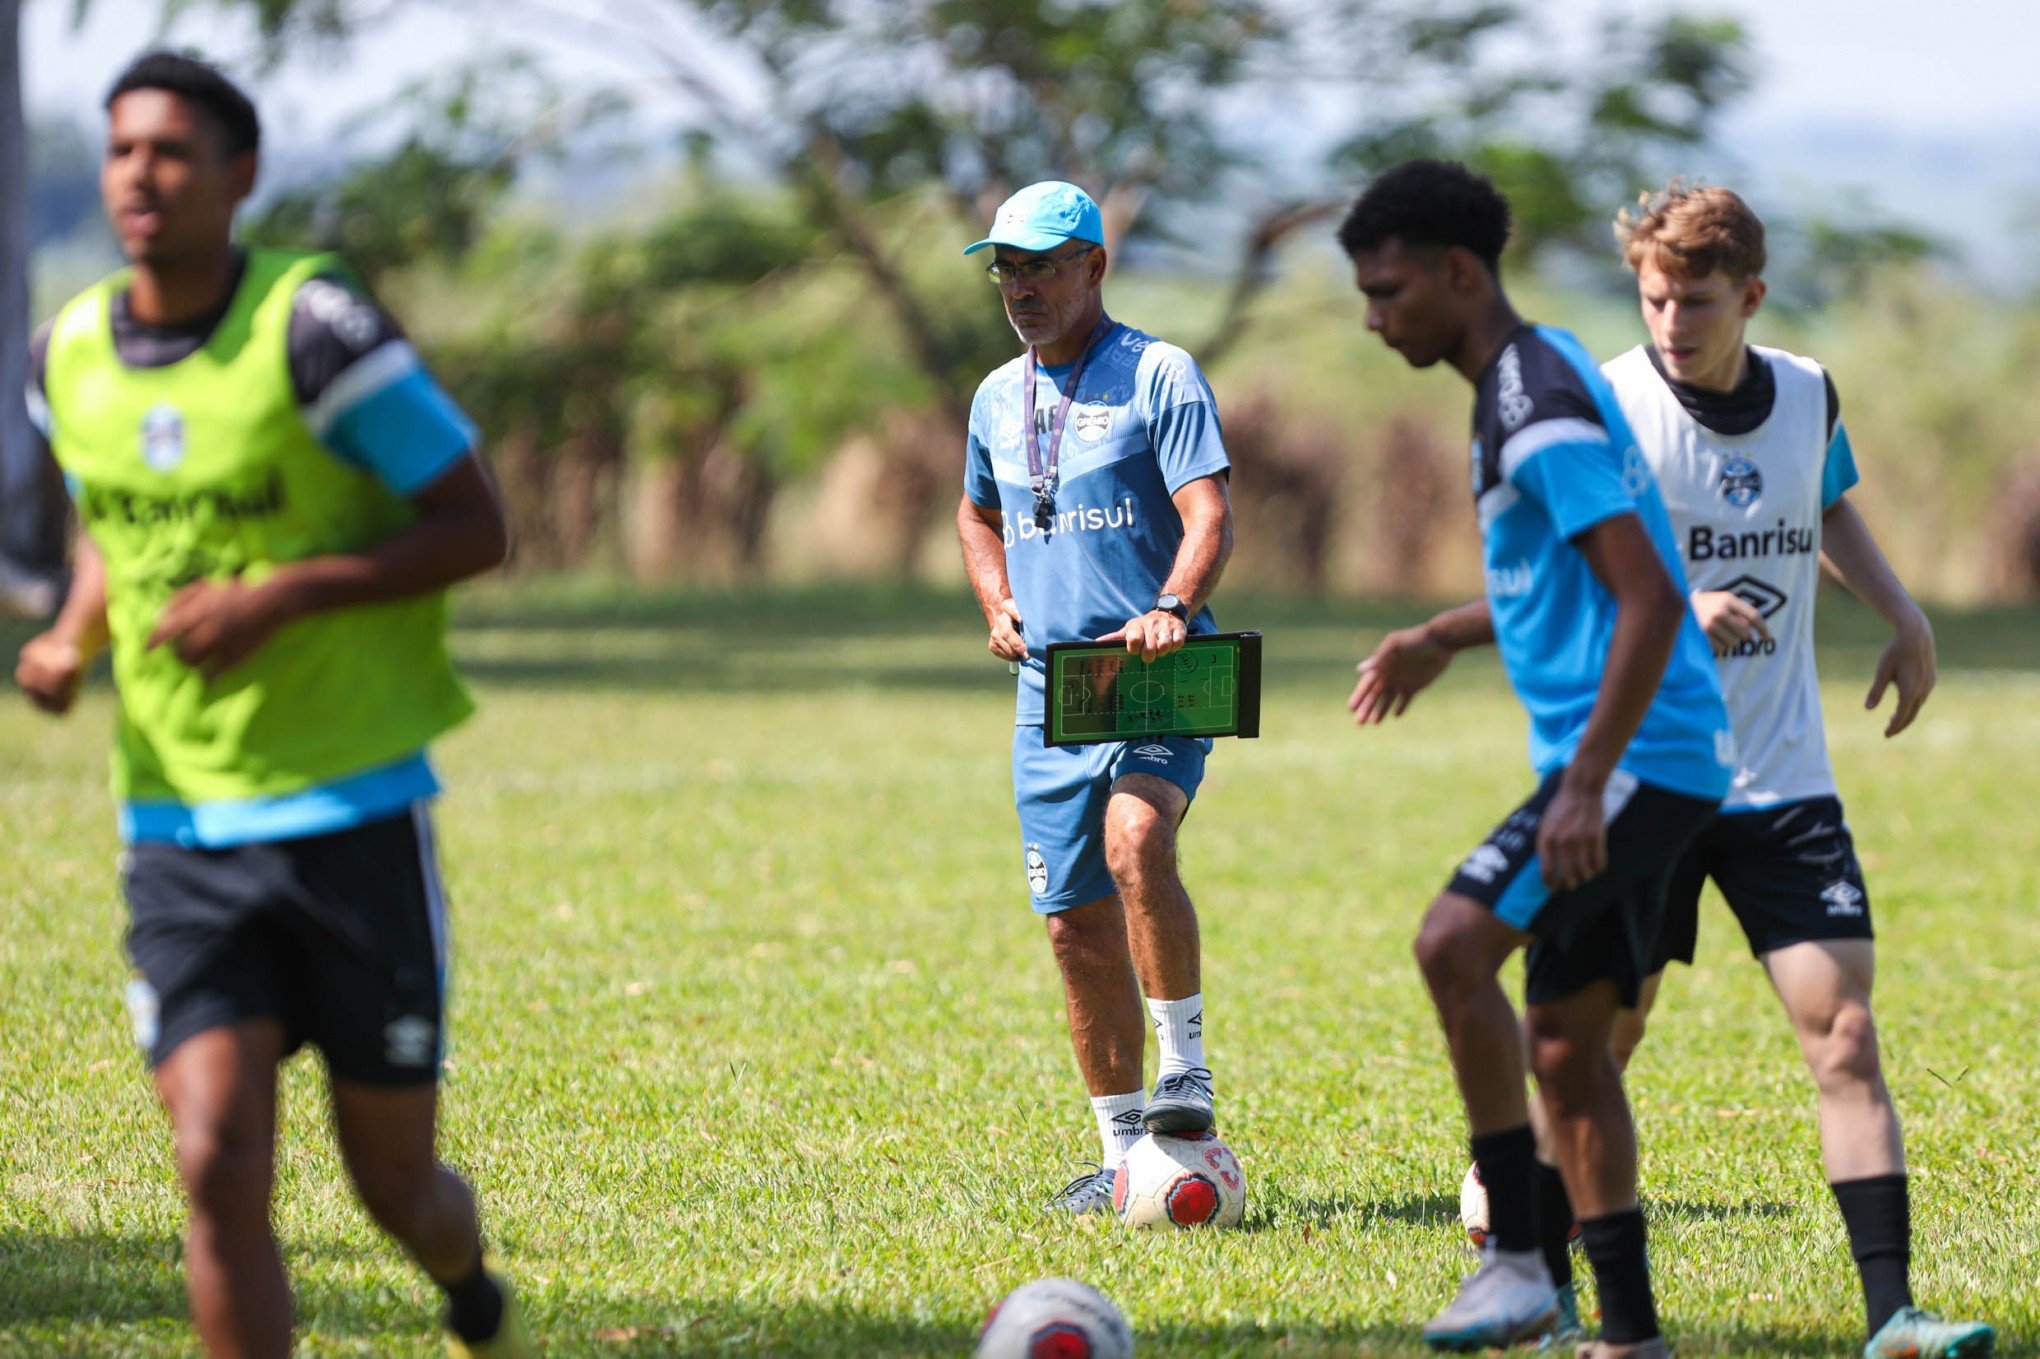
x: 1002, y: 272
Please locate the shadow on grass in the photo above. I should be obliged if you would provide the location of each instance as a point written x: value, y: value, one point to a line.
x: 96, y: 1282
x: 608, y: 636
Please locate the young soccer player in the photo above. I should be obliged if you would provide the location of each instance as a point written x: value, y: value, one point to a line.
x: 1095, y: 508
x: 275, y: 497
x: 1629, y: 737
x: 1755, y: 464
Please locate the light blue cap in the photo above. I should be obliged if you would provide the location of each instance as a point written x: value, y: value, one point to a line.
x: 1042, y: 216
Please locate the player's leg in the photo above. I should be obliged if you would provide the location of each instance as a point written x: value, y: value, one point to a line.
x: 1061, y: 793
x: 1797, y: 888
x: 219, y: 1087
x: 370, y: 912
x: 1141, y: 822
x: 387, y: 1140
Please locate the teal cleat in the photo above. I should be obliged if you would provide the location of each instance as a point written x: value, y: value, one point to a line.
x: 1566, y: 1332
x: 1915, y: 1334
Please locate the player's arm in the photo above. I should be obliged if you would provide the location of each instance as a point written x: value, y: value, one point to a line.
x: 1405, y: 662
x: 52, y: 666
x: 1572, y: 838
x: 1850, y: 553
x: 460, y: 531
x: 980, y: 529
x: 1206, y: 511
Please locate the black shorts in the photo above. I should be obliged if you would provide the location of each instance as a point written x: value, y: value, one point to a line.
x: 1604, y: 930
x: 1789, y: 874
x: 339, y: 937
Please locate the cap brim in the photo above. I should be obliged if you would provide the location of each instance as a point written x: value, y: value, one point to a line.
x: 1025, y: 240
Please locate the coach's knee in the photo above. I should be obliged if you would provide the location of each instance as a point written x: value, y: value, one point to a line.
x: 1087, y: 934
x: 1841, y: 1047
x: 1140, y: 845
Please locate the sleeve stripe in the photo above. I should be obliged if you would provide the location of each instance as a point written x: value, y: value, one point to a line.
x: 376, y: 371
x: 1531, y: 440
x: 1499, y: 500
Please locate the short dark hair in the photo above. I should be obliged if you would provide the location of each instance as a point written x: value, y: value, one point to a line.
x: 200, y: 83
x: 1430, y: 202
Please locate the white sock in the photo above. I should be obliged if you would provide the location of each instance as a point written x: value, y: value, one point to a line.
x: 1119, y: 1125
x: 1179, y: 1028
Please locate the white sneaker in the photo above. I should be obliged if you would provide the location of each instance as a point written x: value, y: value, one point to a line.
x: 1090, y: 1192
x: 1509, y: 1298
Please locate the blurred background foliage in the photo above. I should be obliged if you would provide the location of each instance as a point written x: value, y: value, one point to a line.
x: 759, y: 363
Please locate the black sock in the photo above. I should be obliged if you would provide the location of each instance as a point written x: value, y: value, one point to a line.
x: 1555, y: 1223
x: 1878, y: 1215
x: 474, y: 1305
x: 1508, y: 1168
x: 1615, y: 1247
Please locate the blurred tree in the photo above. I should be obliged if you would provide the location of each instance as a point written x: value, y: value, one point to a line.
x: 31, y: 531
x: 1566, y: 145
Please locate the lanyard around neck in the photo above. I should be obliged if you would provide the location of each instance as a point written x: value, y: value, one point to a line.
x: 1041, y: 472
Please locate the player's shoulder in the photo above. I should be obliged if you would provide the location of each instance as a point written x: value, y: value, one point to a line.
x: 1784, y: 361
x: 1539, y: 390
x: 1632, y: 366
x: 335, y: 307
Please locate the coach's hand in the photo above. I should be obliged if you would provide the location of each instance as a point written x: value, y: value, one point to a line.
x: 1908, y: 662
x: 214, y: 625
x: 50, y: 670
x: 1572, y: 836
x: 1007, y: 643
x: 1154, y: 635
x: 1728, y: 620
x: 1402, y: 666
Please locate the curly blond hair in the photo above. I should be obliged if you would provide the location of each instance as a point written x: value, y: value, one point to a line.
x: 1689, y: 230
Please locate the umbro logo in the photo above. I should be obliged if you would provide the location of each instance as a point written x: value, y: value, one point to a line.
x: 1760, y: 595
x: 1159, y: 754
x: 1842, y: 899
x: 409, y: 1041
x: 1129, y: 1120
x: 1484, y: 864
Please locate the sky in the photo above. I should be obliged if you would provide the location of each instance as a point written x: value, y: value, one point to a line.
x: 1930, y: 111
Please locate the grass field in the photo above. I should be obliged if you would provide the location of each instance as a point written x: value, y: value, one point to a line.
x: 758, y: 1049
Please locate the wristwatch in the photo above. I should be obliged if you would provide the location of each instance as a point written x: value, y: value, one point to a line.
x: 1168, y: 603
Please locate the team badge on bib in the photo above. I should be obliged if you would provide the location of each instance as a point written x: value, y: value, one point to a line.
x: 1741, y: 482
x: 163, y: 438
x: 1093, y: 422
x: 1037, y: 871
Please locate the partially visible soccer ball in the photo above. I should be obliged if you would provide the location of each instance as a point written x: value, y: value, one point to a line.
x: 1473, y: 1211
x: 1055, y: 1319
x: 1192, y: 1181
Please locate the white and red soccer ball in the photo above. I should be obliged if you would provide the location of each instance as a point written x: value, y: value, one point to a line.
x: 1055, y: 1319
x: 1168, y: 1182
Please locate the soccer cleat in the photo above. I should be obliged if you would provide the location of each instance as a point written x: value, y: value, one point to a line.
x: 511, y: 1340
x: 1566, y: 1331
x: 1915, y: 1334
x: 1090, y: 1192
x: 1181, y: 1103
x: 1510, y: 1298
x: 1653, y: 1348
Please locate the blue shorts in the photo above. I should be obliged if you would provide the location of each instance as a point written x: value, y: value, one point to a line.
x: 1061, y: 792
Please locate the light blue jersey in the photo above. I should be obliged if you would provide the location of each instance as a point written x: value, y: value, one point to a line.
x: 1552, y: 457
x: 1143, y: 425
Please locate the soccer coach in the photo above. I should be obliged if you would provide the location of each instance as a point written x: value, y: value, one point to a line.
x: 1095, y: 508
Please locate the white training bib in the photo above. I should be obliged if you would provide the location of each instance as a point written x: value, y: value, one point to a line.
x: 1747, y: 511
